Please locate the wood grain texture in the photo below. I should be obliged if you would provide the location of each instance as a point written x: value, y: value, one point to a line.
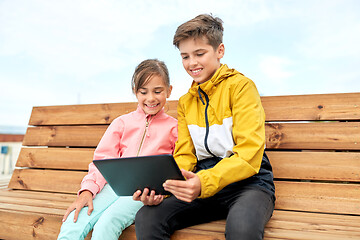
x: 47, y: 180
x: 301, y: 196
x: 283, y: 225
x: 335, y: 198
x: 314, y: 165
x: 313, y: 107
x: 56, y: 158
x: 87, y: 114
x: 316, y: 135
x: 308, y: 165
x: 80, y: 136
x: 344, y: 106
x: 325, y: 135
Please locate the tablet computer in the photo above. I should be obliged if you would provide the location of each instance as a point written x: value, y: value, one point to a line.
x: 126, y: 175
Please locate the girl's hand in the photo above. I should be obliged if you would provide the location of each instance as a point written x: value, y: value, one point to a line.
x: 147, y: 199
x: 187, y: 190
x: 85, y: 198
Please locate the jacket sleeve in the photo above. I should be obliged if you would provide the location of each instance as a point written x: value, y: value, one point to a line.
x: 174, y: 137
x: 184, y: 153
x: 108, y: 147
x: 249, y: 142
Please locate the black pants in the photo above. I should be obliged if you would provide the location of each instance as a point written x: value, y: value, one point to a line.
x: 246, y: 210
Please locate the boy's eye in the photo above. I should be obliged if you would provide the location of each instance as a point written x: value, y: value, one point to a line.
x: 185, y: 57
x: 143, y: 93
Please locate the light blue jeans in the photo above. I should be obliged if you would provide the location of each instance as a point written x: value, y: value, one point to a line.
x: 111, y: 215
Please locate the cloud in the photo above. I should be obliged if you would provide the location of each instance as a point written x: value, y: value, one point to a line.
x: 81, y: 38
x: 274, y: 68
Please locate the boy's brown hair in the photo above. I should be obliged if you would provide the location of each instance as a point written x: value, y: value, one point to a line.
x: 204, y: 25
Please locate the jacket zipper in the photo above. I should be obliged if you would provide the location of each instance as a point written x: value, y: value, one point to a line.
x: 200, y: 91
x: 143, y: 136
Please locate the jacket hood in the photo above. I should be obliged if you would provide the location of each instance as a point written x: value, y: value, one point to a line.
x: 210, y: 86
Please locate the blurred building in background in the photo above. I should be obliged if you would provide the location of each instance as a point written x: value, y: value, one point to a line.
x: 10, y: 144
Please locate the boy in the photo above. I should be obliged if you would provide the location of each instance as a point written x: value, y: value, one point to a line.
x: 220, y: 147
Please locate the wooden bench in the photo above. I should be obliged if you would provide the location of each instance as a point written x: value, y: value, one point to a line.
x: 313, y: 142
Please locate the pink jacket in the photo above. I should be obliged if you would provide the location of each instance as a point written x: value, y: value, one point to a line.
x: 132, y: 134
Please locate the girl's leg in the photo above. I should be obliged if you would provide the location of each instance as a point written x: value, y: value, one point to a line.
x: 249, y: 214
x: 116, y: 218
x: 84, y: 224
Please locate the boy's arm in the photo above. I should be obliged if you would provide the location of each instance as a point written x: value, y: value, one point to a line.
x: 184, y: 153
x: 249, y: 137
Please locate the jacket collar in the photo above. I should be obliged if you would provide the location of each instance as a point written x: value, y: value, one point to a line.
x: 142, y: 114
x: 210, y: 86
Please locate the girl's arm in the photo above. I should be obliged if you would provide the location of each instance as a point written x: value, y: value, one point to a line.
x: 108, y: 147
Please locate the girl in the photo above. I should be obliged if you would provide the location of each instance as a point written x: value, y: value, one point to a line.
x: 146, y: 131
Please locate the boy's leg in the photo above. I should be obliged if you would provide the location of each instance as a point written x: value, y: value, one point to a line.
x: 116, y: 218
x: 84, y: 224
x: 159, y: 222
x: 248, y: 214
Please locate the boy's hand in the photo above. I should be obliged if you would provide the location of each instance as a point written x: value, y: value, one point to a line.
x: 84, y: 199
x: 147, y: 199
x: 187, y: 190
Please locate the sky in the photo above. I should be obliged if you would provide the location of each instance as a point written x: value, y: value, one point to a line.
x: 84, y: 52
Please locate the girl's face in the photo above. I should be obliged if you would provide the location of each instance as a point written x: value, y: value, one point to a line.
x: 152, y: 95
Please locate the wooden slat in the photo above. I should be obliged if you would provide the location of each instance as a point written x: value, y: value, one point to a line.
x: 301, y: 225
x: 325, y: 135
x: 28, y: 225
x: 311, y: 165
x: 283, y: 225
x: 339, y: 106
x: 20, y: 201
x: 79, y: 136
x: 47, y: 180
x: 302, y: 196
x: 318, y: 197
x: 57, y: 158
x: 86, y: 114
x: 49, y: 196
x: 11, y: 137
x: 316, y: 135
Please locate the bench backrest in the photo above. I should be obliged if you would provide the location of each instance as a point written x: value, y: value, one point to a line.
x: 313, y: 142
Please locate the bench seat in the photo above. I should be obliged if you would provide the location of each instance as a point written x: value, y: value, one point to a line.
x: 313, y: 143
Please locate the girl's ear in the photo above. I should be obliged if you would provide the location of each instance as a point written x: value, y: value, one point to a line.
x: 169, y: 91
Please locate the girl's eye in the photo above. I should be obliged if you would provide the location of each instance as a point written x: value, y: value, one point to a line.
x: 185, y: 57
x: 143, y: 93
x: 200, y: 54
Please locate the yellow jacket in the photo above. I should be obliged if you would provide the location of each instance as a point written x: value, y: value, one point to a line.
x: 223, y: 118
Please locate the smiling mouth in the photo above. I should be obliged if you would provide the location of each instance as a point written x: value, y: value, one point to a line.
x: 152, y: 106
x: 196, y: 71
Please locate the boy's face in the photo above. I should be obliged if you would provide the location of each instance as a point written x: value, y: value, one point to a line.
x: 199, y: 58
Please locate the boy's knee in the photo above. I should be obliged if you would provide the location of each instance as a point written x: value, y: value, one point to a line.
x: 142, y: 219
x: 243, y: 230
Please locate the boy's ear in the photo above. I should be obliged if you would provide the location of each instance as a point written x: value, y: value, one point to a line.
x: 169, y: 91
x: 221, y: 50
